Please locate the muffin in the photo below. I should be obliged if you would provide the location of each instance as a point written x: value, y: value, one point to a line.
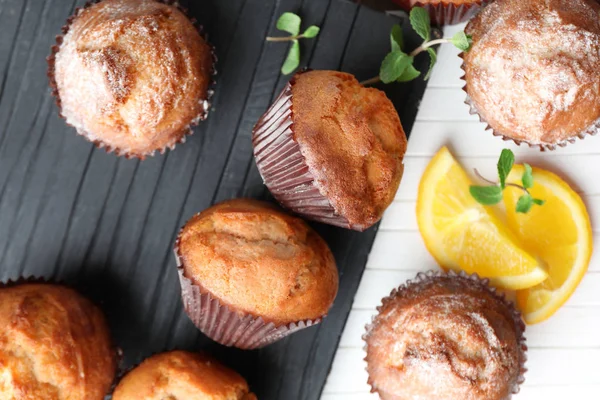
x: 331, y: 150
x: 54, y: 345
x: 446, y: 12
x: 445, y: 337
x: 182, y: 375
x: 131, y: 75
x: 251, y: 274
x: 533, y: 73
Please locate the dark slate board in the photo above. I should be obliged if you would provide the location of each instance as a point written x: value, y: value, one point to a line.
x: 106, y: 225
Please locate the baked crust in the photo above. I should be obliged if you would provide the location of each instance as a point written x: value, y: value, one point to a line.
x: 411, y: 3
x: 181, y: 375
x: 258, y: 260
x: 444, y: 338
x: 352, y: 140
x: 533, y: 73
x: 132, y: 75
x: 54, y: 345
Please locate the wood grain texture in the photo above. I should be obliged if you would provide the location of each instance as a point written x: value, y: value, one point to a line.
x: 563, y: 351
x: 72, y: 213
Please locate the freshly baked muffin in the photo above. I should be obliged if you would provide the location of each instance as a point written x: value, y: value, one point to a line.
x: 446, y: 11
x: 331, y: 150
x: 533, y: 73
x: 132, y: 75
x: 181, y: 375
x: 263, y: 267
x: 54, y: 345
x: 445, y: 337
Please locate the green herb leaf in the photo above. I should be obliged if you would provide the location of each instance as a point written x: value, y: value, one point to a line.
x: 289, y: 22
x: 409, y: 74
x: 539, y: 202
x: 394, y: 65
x: 461, y: 40
x: 311, y: 32
x: 432, y: 61
x: 293, y: 59
x: 505, y: 164
x: 421, y: 23
x: 524, y: 204
x: 527, y: 178
x: 486, y: 195
x: 396, y: 38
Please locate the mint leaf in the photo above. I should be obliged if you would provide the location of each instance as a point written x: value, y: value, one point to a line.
x: 311, y: 32
x: 293, y: 59
x: 289, y: 22
x: 539, y: 202
x: 505, y: 164
x: 461, y: 41
x: 394, y: 65
x: 432, y: 61
x: 527, y: 178
x: 421, y: 23
x: 409, y: 74
x: 524, y: 204
x: 396, y: 38
x: 486, y: 195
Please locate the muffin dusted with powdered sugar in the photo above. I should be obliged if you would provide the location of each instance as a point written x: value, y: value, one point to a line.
x: 533, y: 73
x: 445, y: 337
x: 132, y: 75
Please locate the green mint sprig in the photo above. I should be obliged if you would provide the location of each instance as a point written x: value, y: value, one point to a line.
x: 398, y: 65
x: 491, y: 195
x: 290, y: 23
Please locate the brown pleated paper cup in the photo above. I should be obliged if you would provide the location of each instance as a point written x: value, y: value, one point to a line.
x: 178, y: 138
x: 447, y: 12
x: 412, y: 288
x: 226, y: 325
x: 283, y: 167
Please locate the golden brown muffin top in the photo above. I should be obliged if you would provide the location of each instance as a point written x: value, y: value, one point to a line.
x: 181, y: 375
x: 259, y: 260
x: 534, y: 70
x: 446, y: 338
x: 132, y: 74
x: 412, y: 3
x: 353, y: 143
x: 54, y: 345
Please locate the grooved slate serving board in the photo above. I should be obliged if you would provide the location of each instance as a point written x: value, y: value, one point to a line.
x: 105, y: 225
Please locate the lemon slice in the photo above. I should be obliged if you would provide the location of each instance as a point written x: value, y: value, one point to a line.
x: 559, y: 233
x: 463, y: 235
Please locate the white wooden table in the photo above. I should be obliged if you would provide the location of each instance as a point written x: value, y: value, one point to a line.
x: 564, y: 352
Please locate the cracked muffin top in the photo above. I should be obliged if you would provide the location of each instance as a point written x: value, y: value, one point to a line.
x: 259, y: 260
x: 353, y: 142
x: 54, y: 345
x: 446, y: 337
x: 181, y: 375
x: 132, y: 75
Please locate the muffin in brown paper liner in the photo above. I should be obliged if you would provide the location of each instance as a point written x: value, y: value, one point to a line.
x: 285, y: 168
x: 167, y: 366
x: 252, y: 274
x: 591, y: 130
x: 178, y: 137
x: 447, y: 12
x: 411, y: 290
x: 117, y: 353
x: 228, y: 326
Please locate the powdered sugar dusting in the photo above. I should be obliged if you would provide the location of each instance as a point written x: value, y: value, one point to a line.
x: 534, y: 70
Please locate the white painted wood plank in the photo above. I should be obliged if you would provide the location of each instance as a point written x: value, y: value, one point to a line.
x: 448, y: 72
x: 405, y: 250
x: 377, y: 284
x: 401, y: 215
x: 555, y: 392
x: 429, y: 136
x: 572, y: 327
x: 546, y: 368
